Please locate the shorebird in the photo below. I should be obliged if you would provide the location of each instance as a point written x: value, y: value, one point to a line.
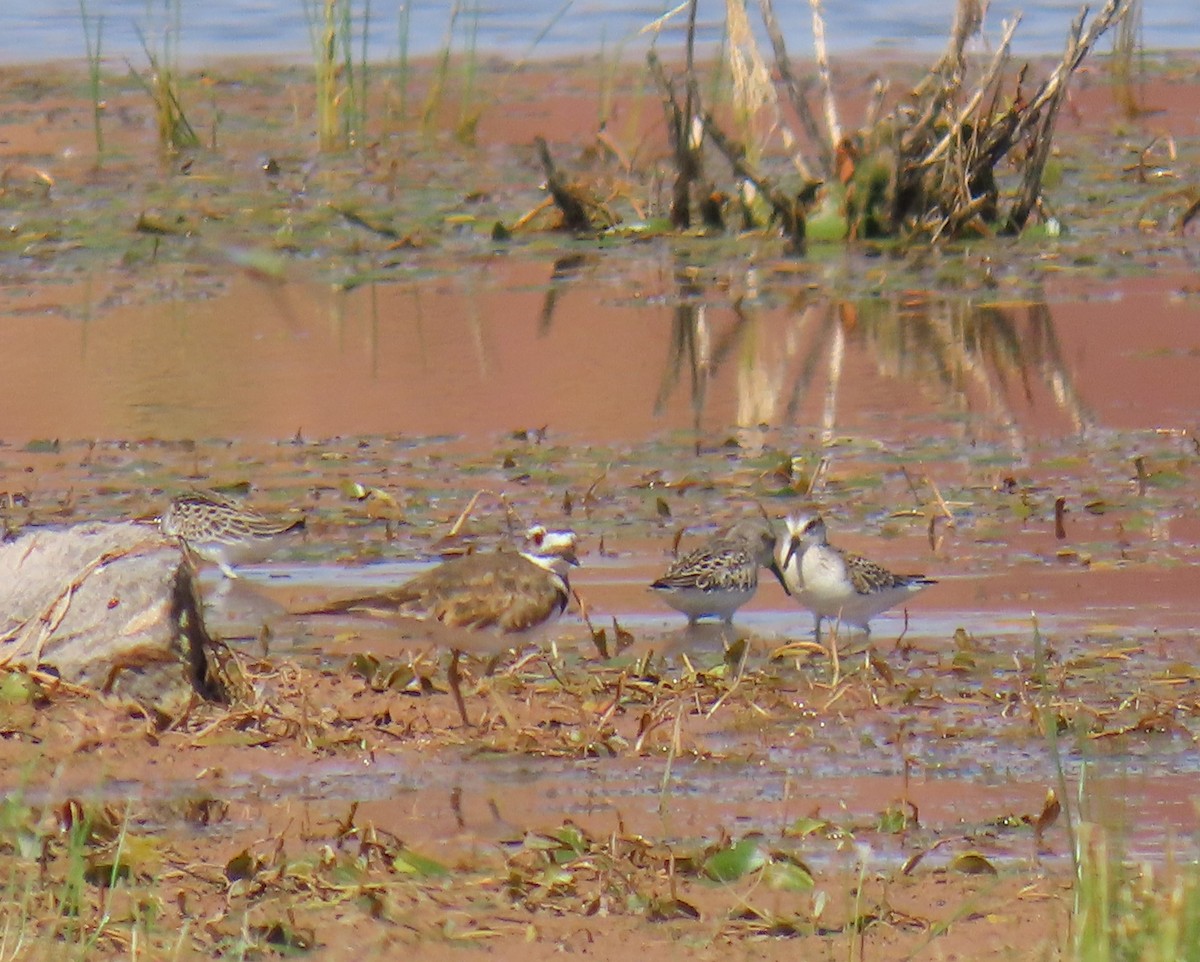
x: 465, y: 600
x: 720, y: 576
x: 833, y: 583
x: 509, y: 591
x: 223, y: 530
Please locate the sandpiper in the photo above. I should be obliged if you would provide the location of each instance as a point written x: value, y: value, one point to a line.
x: 833, y: 583
x: 223, y: 530
x: 510, y: 591
x: 720, y: 576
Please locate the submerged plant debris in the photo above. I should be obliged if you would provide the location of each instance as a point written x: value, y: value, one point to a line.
x: 736, y: 785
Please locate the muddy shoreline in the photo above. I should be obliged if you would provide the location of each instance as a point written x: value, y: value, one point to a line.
x: 209, y: 322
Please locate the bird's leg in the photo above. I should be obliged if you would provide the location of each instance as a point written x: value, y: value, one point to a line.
x: 834, y: 660
x: 455, y: 681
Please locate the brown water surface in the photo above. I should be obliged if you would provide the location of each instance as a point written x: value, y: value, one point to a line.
x: 612, y: 353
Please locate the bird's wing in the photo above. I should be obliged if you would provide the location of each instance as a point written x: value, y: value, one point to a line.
x: 707, y: 567
x: 866, y: 576
x: 502, y: 590
x: 509, y: 592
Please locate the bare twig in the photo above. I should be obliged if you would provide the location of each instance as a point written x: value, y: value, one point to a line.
x: 822, y: 54
x: 1049, y: 99
x: 455, y: 681
x: 787, y: 209
x: 997, y: 65
x: 574, y: 213
x: 798, y: 97
x: 679, y: 125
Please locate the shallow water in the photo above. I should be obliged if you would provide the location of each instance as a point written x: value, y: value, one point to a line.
x: 512, y: 27
x: 611, y: 353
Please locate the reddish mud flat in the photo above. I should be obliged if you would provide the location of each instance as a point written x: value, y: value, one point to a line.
x: 1017, y: 421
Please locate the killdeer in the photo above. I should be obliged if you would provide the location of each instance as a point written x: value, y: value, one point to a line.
x: 223, y: 530
x: 510, y: 591
x: 720, y: 576
x: 833, y: 583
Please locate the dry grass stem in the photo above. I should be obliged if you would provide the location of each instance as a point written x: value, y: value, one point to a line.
x: 798, y: 98
x: 832, y: 122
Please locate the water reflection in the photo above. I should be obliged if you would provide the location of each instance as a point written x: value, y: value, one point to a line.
x: 981, y: 363
x: 598, y: 353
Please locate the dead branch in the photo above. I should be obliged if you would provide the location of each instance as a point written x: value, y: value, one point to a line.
x: 1040, y: 117
x: 789, y: 209
x: 798, y: 97
x: 687, y: 156
x: 832, y: 123
x: 573, y: 209
x: 989, y: 80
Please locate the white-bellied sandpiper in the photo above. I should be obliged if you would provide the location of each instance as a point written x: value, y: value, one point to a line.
x: 836, y: 584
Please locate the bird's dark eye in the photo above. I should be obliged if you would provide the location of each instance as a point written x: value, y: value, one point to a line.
x: 537, y: 537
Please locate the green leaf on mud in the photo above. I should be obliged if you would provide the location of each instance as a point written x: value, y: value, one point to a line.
x: 260, y: 263
x: 663, y: 910
x: 241, y: 866
x: 788, y: 876
x: 893, y: 821
x: 735, y: 862
x: 803, y: 827
x: 413, y: 863
x: 553, y: 877
x: 362, y: 665
x: 972, y: 863
x: 231, y: 738
x: 573, y: 839
x: 1180, y: 671
x: 139, y: 855
x: 17, y: 688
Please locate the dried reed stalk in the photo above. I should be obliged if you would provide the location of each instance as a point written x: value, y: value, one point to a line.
x: 686, y: 153
x: 798, y: 97
x: 570, y: 204
x: 787, y: 208
x: 832, y: 123
x: 944, y: 180
x: 929, y: 166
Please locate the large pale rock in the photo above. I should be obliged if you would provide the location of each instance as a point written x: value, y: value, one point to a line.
x: 112, y: 607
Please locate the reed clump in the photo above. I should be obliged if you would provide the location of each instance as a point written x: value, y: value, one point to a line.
x: 928, y: 167
x: 1128, y: 911
x: 162, y: 83
x: 340, y: 79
